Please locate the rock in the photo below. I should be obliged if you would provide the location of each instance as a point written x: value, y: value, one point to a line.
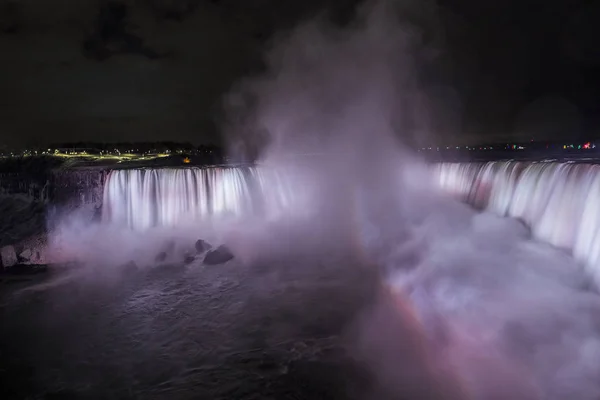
x: 161, y: 257
x: 202, y: 246
x: 34, y: 250
x: 26, y: 254
x: 167, y: 250
x: 8, y: 256
x: 220, y: 255
x: 188, y: 258
x: 36, y: 258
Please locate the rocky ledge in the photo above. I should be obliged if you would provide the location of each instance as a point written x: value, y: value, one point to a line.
x: 29, y: 252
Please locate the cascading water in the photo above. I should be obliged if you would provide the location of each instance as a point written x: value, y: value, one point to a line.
x: 145, y: 198
x: 559, y: 201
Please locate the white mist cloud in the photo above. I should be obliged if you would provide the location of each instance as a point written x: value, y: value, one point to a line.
x: 471, y: 307
x: 477, y: 309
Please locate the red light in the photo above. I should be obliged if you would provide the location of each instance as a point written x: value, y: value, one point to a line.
x: 587, y: 145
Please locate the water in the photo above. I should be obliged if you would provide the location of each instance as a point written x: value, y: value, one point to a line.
x: 145, y: 198
x: 477, y: 309
x: 187, y: 333
x: 559, y: 201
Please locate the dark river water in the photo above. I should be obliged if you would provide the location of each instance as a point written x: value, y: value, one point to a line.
x: 194, y: 332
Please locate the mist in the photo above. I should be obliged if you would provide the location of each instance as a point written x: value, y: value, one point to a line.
x: 469, y: 306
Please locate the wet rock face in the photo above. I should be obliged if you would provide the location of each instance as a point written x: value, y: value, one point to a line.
x: 77, y: 186
x: 41, y: 180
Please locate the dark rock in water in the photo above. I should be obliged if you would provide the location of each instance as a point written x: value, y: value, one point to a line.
x: 220, y: 255
x: 161, y: 257
x: 202, y: 246
x: 168, y: 251
x: 188, y: 258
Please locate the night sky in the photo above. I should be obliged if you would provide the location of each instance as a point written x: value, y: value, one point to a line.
x: 151, y: 70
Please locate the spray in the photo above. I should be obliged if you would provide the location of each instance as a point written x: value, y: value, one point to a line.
x: 462, y: 293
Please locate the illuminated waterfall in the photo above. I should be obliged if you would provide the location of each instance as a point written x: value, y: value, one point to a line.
x: 559, y: 201
x: 145, y: 198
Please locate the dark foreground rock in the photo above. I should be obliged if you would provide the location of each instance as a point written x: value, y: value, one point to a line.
x: 220, y: 255
x: 202, y: 246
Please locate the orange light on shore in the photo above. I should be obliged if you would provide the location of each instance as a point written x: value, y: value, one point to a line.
x: 186, y: 160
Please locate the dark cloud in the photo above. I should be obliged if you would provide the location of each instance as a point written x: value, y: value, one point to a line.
x: 157, y: 69
x: 118, y: 73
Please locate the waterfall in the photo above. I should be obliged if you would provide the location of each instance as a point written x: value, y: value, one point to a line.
x: 559, y: 201
x: 145, y: 198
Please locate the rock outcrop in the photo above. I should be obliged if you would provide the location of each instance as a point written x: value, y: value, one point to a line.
x: 202, y: 246
x: 33, y: 250
x: 220, y: 255
x: 8, y: 256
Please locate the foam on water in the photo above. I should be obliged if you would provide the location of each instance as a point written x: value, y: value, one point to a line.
x: 506, y: 315
x: 559, y: 201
